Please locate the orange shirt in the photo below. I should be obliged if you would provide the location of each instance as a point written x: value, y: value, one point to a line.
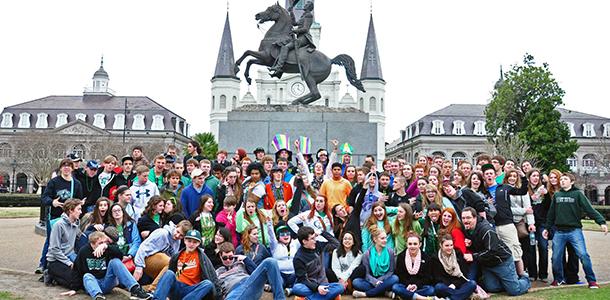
x: 336, y: 191
x: 188, y: 270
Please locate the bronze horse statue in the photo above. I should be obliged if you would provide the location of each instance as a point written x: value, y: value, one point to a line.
x: 314, y: 65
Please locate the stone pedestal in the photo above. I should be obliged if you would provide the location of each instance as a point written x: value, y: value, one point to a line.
x: 252, y: 126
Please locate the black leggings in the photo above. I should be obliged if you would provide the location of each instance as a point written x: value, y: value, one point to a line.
x: 64, y: 275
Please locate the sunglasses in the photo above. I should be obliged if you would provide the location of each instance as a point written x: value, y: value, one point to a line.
x: 227, y: 257
x: 284, y: 233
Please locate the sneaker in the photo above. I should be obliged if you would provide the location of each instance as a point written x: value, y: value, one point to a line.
x: 545, y: 280
x: 556, y: 283
x: 288, y: 292
x: 137, y: 293
x: 390, y: 295
x: 47, y: 278
x: 593, y: 285
x: 358, y: 294
x: 39, y: 270
x: 267, y: 288
x: 100, y: 297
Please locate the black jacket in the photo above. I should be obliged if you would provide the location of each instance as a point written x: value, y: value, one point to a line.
x: 423, y: 276
x: 487, y: 248
x: 146, y: 223
x: 58, y: 187
x: 207, y: 271
x: 440, y: 275
x: 117, y: 181
x: 308, y: 266
x: 503, y: 192
x: 86, y: 262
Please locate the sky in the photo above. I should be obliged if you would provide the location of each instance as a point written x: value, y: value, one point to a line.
x: 433, y: 53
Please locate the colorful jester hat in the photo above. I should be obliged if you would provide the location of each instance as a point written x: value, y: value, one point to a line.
x: 281, y: 142
x: 305, y: 144
x: 346, y: 148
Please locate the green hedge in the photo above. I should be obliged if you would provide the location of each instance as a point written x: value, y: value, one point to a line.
x: 19, y: 200
x: 604, y: 210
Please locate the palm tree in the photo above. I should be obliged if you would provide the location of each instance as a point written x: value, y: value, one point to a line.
x: 208, y: 144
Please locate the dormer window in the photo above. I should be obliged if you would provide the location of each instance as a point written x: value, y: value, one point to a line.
x: 41, y: 120
x: 479, y: 128
x: 119, y: 122
x: 157, y: 123
x: 82, y: 117
x: 458, y: 127
x: 138, y: 122
x: 24, y: 120
x: 571, y: 128
x: 98, y: 121
x: 607, y: 130
x: 437, y: 127
x: 7, y: 120
x: 588, y: 130
x: 62, y: 119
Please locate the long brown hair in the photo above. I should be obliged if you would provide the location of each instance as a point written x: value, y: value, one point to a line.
x: 275, y: 215
x: 455, y: 222
x: 237, y: 188
x: 530, y: 188
x: 154, y: 200
x: 403, y: 227
x: 552, y: 189
x: 245, y: 238
x: 329, y: 215
x: 438, y: 198
x: 372, y: 220
x: 126, y: 217
x: 96, y: 216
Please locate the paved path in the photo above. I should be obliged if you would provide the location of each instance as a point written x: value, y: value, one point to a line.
x: 20, y: 250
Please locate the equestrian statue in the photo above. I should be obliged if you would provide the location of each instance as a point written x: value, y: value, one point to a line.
x: 288, y: 48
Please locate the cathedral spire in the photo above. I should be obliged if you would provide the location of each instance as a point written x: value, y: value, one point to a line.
x: 226, y: 61
x: 371, y: 63
x: 500, y: 80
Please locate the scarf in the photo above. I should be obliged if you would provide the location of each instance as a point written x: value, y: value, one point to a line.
x: 412, y: 264
x: 450, y: 264
x: 380, y: 262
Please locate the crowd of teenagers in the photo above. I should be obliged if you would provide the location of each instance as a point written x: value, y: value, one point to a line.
x: 310, y: 225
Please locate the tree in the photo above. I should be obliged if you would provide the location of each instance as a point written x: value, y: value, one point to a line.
x: 39, y: 155
x: 523, y: 107
x: 208, y: 144
x: 513, y: 147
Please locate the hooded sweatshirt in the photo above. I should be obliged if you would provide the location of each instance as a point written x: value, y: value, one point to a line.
x: 141, y: 194
x: 160, y: 240
x: 372, y: 195
x: 61, y: 241
x: 567, y: 208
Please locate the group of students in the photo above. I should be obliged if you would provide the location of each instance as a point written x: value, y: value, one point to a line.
x: 239, y: 226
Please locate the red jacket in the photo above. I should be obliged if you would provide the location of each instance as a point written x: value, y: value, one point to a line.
x: 270, y: 197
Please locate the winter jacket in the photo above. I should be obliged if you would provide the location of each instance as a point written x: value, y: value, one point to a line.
x: 159, y: 241
x: 60, y: 188
x: 62, y: 239
x: 487, y: 248
x: 423, y: 276
x: 567, y: 209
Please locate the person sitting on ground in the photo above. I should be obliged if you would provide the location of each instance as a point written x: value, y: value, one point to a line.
x: 99, y: 264
x: 190, y: 274
x: 283, y: 248
x: 203, y: 220
x: 311, y: 280
x: 154, y: 253
x: 414, y: 268
x: 449, y: 269
x: 380, y: 263
x: 128, y: 239
x: 251, y: 247
x: 61, y: 253
x: 492, y: 255
x: 240, y: 278
x: 151, y: 218
x: 346, y: 261
x: 212, y: 250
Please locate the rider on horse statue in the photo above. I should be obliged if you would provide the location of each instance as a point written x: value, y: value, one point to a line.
x: 303, y: 38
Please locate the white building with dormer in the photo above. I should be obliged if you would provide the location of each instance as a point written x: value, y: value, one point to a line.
x: 226, y: 92
x: 84, y: 124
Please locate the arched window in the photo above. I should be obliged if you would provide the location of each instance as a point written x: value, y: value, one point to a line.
x: 157, y: 123
x: 361, y: 104
x: 98, y: 121
x: 5, y: 150
x: 233, y: 102
x: 41, y: 120
x: 372, y: 104
x: 223, y: 102
x: 213, y: 102
x: 138, y: 122
x: 326, y: 102
x: 572, y: 163
x: 79, y: 150
x: 438, y: 153
x: 588, y: 161
x: 268, y: 100
x: 62, y: 119
x: 381, y: 103
x: 456, y: 157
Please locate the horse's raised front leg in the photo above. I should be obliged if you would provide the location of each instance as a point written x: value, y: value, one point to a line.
x: 248, y: 65
x: 256, y: 54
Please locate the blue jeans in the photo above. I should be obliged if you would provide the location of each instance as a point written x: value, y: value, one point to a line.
x: 288, y: 279
x: 45, y: 247
x: 362, y: 284
x: 461, y: 293
x: 503, y: 277
x: 334, y: 290
x: 401, y: 290
x: 252, y: 287
x: 577, y: 240
x: 169, y: 286
x: 116, y: 274
x: 543, y: 253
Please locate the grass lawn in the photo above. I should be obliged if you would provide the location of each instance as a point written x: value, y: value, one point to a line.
x: 19, y: 212
x: 8, y: 296
x: 571, y: 292
x: 591, y: 226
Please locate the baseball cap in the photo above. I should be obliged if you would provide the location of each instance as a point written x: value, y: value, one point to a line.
x: 74, y: 157
x: 193, y: 234
x: 126, y: 158
x: 92, y: 164
x: 486, y: 167
x: 196, y: 173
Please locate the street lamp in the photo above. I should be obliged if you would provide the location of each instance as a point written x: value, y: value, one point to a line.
x: 14, y: 182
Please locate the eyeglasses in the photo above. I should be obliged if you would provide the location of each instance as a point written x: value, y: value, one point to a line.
x: 227, y: 257
x: 284, y: 233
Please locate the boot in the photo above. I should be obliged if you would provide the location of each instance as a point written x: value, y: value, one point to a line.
x: 279, y: 63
